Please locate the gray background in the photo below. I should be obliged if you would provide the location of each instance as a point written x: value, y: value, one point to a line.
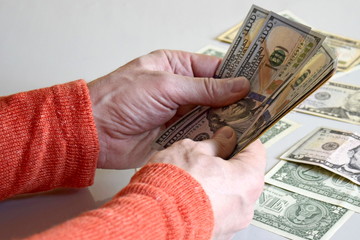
x: 47, y: 42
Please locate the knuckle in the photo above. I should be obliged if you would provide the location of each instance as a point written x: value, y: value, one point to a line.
x: 158, y: 52
x: 211, y: 87
x: 248, y: 218
x: 186, y: 143
x: 256, y: 190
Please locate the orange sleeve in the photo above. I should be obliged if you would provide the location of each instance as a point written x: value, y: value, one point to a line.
x: 162, y: 201
x: 48, y: 139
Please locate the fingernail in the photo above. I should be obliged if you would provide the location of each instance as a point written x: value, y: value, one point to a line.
x: 238, y: 84
x: 227, y: 132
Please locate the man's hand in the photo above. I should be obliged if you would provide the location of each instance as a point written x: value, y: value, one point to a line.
x: 233, y: 186
x: 135, y: 102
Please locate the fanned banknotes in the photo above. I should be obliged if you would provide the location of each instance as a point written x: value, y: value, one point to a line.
x: 285, y: 61
x: 346, y: 49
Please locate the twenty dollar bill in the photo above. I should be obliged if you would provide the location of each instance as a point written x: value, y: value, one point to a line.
x: 335, y: 101
x: 335, y: 150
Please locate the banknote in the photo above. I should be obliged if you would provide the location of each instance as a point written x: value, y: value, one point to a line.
x: 335, y: 101
x: 279, y: 130
x: 335, y: 150
x: 229, y: 35
x: 315, y: 182
x: 305, y: 79
x: 273, y: 50
x: 297, y: 217
x: 290, y: 15
x: 213, y: 51
x: 346, y: 49
x: 247, y: 33
x: 272, y: 60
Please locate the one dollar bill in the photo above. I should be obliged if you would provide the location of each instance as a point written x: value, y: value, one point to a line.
x: 297, y: 217
x: 315, y: 182
x: 279, y: 130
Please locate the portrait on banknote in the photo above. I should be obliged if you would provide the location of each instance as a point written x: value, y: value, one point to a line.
x: 348, y: 109
x: 334, y: 100
x: 239, y: 116
x: 352, y: 168
x: 335, y: 150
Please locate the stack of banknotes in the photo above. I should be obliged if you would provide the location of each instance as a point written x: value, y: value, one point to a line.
x: 285, y: 61
x: 316, y: 190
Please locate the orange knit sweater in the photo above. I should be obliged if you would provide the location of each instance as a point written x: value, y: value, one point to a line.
x: 49, y: 140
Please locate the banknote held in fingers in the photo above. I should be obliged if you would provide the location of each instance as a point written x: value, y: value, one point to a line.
x: 270, y: 51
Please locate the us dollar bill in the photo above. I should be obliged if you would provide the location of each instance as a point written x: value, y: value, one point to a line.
x: 229, y: 35
x: 335, y: 150
x: 315, y: 182
x: 279, y: 130
x: 297, y: 217
x: 212, y: 50
x: 273, y: 58
x: 246, y: 35
x: 309, y: 76
x: 277, y: 42
x: 335, y: 101
x: 346, y: 49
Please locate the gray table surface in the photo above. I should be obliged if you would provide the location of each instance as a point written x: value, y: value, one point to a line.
x: 47, y: 42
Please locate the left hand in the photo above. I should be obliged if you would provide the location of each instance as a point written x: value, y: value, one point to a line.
x: 135, y: 102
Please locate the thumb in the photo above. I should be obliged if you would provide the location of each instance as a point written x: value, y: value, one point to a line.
x: 224, y: 140
x: 210, y: 91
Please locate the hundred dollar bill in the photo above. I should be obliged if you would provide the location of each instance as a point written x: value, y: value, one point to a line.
x: 307, y: 78
x: 229, y: 35
x: 279, y: 51
x: 246, y: 35
x: 290, y: 15
x: 335, y: 150
x: 297, y: 217
x: 315, y: 182
x: 276, y: 41
x: 346, y: 49
x: 281, y: 48
x: 279, y: 130
x: 335, y: 101
x: 213, y: 51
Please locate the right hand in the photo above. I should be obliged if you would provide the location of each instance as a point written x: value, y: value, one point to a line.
x: 133, y: 104
x: 233, y: 186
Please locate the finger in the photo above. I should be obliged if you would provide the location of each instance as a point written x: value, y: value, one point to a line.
x: 206, y: 91
x: 186, y: 63
x: 253, y: 155
x: 221, y: 144
x: 180, y: 112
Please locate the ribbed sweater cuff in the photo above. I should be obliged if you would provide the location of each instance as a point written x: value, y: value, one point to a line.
x: 49, y: 139
x: 186, y: 208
